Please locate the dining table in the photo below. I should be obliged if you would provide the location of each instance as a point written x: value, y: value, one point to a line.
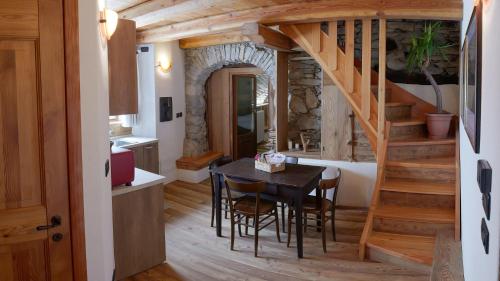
x: 291, y: 186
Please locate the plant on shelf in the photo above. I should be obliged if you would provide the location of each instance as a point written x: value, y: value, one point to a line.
x: 420, y: 56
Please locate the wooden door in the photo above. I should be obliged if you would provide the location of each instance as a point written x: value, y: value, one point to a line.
x: 33, y: 144
x: 244, y: 116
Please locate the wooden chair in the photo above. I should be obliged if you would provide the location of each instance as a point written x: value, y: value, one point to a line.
x: 250, y: 207
x: 310, y: 207
x: 217, y: 163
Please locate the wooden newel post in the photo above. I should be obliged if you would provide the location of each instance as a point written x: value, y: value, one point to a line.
x: 381, y: 84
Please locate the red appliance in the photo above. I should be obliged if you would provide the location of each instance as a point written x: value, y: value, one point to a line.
x: 122, y: 166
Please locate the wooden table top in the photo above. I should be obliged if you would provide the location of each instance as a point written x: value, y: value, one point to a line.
x: 294, y: 175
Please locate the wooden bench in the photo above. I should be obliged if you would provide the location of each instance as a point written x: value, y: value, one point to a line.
x: 198, y: 162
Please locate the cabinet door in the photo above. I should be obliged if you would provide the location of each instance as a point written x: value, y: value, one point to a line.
x: 151, y: 161
x: 138, y: 156
x: 122, y: 65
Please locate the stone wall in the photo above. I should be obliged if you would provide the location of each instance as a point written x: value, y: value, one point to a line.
x: 199, y: 64
x: 304, y: 96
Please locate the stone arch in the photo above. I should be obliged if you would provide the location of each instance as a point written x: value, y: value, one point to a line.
x: 200, y: 63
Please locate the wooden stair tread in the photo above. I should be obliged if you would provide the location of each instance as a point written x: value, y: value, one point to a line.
x: 429, y: 163
x: 408, y: 122
x: 428, y: 215
x: 396, y: 104
x: 421, y: 141
x: 418, y: 186
x: 413, y: 247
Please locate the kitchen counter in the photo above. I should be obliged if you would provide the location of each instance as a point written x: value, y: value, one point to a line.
x: 143, y: 179
x: 132, y: 141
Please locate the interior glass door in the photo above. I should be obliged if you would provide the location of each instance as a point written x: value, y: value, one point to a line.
x: 245, y: 131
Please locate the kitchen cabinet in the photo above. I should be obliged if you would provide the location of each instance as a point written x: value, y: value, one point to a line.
x: 138, y: 224
x: 122, y: 68
x: 146, y: 157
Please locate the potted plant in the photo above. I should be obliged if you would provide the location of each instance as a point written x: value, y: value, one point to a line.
x: 420, y: 57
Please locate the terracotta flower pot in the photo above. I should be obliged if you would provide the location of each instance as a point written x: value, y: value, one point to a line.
x: 438, y: 125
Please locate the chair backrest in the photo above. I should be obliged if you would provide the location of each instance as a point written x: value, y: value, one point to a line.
x: 291, y: 160
x: 220, y: 162
x: 217, y: 163
x: 327, y: 184
x: 246, y: 187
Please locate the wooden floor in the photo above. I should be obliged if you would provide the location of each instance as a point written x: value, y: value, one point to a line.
x: 195, y: 253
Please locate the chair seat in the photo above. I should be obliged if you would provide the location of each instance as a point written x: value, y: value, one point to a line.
x: 246, y: 205
x: 310, y: 203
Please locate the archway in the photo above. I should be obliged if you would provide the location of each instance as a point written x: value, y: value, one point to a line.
x: 200, y: 63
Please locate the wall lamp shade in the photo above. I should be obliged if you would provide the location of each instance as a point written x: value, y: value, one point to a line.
x: 164, y: 65
x: 108, y: 22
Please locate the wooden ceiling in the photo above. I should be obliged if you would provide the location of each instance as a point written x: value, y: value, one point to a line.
x: 165, y: 20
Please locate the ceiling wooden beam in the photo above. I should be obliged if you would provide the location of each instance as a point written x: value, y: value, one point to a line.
x: 312, y: 11
x: 213, y: 39
x: 149, y: 7
x: 266, y: 36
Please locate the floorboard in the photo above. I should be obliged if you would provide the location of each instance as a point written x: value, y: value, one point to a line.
x: 195, y: 253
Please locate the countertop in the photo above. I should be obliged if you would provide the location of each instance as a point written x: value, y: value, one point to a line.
x: 133, y: 141
x: 142, y: 180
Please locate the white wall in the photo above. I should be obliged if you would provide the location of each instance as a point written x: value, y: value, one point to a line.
x: 170, y: 134
x: 478, y: 265
x: 451, y: 95
x: 358, y: 180
x: 95, y: 145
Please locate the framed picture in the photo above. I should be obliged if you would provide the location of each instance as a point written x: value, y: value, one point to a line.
x: 471, y: 79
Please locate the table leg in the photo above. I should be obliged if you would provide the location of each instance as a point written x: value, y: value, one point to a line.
x: 218, y: 205
x: 298, y: 223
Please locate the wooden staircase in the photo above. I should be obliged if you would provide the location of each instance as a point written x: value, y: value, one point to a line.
x: 416, y: 194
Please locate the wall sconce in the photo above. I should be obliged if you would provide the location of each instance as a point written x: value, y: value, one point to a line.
x: 164, y: 65
x: 108, y: 22
x: 476, y: 3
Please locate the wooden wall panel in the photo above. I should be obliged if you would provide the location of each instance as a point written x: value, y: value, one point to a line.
x: 335, y: 123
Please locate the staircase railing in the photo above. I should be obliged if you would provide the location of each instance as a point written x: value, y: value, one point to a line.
x: 340, y: 66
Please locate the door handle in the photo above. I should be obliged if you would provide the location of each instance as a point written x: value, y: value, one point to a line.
x: 55, y: 221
